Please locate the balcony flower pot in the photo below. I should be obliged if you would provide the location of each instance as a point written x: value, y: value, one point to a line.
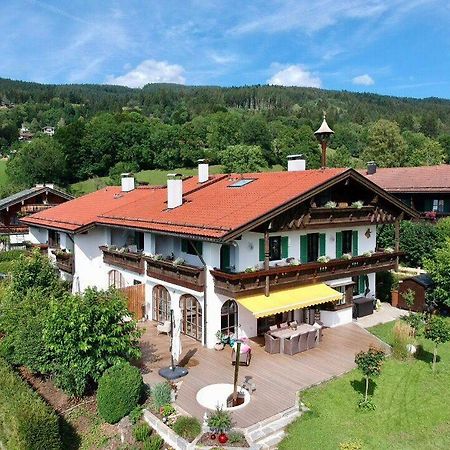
x: 223, y: 438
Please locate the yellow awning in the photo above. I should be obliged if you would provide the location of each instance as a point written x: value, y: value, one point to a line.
x: 289, y: 299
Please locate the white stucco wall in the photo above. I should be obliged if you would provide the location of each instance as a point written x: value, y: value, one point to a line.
x: 38, y: 235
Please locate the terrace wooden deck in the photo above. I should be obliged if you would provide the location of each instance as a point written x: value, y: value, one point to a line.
x: 278, y: 377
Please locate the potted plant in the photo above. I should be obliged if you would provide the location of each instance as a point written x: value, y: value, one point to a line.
x: 330, y: 204
x: 219, y: 422
x: 347, y: 256
x: 323, y: 259
x: 388, y: 250
x: 178, y: 261
x: 219, y: 345
x: 358, y: 204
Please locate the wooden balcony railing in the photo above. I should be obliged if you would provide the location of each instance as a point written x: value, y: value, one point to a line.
x: 235, y: 284
x: 131, y: 261
x: 65, y: 262
x: 42, y: 247
x: 32, y: 208
x: 190, y: 277
x: 13, y: 229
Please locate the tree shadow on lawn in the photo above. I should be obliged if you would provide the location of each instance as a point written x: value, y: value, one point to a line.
x: 360, y: 386
x: 70, y: 439
x: 425, y: 356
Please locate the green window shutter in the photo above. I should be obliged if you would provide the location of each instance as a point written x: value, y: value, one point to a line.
x: 284, y: 246
x: 361, y: 284
x: 355, y: 242
x: 261, y: 250
x: 304, y: 249
x: 338, y: 244
x: 184, y: 245
x: 199, y: 247
x: 322, y: 244
x: 447, y: 205
x: 428, y: 205
x: 225, y: 257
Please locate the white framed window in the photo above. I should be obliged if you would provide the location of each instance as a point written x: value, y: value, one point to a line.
x: 438, y: 205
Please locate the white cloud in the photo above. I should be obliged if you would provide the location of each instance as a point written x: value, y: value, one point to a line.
x: 295, y: 75
x: 150, y: 71
x: 363, y: 80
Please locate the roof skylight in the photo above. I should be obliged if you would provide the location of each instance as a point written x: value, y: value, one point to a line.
x: 242, y: 182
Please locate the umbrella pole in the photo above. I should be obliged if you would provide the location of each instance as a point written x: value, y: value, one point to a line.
x: 172, y: 362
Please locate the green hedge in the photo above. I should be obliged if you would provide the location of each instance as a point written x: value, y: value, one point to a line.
x: 119, y: 391
x: 26, y: 421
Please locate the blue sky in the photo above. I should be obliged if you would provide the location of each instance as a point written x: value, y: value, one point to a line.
x: 396, y: 47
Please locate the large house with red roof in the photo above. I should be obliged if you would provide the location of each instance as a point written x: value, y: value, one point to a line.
x: 424, y: 188
x: 234, y: 253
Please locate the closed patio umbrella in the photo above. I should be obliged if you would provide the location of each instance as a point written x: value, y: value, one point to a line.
x: 173, y: 371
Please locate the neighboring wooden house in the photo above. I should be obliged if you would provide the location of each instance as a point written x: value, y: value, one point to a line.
x: 26, y: 202
x: 426, y: 188
x: 419, y: 284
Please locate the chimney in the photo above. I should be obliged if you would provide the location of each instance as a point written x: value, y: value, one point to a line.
x: 296, y: 163
x: 50, y: 185
x: 203, y: 170
x: 371, y: 167
x: 127, y: 182
x: 174, y: 190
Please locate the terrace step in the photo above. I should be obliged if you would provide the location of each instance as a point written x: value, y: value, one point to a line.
x: 270, y: 432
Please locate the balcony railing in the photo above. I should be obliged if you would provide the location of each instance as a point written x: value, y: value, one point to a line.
x: 13, y: 229
x: 190, y: 277
x: 235, y: 284
x: 32, y: 208
x: 127, y: 260
x: 65, y: 262
x: 42, y: 247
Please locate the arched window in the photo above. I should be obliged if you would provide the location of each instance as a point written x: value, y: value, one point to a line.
x: 116, y: 279
x: 229, y: 317
x: 191, y: 317
x: 161, y: 304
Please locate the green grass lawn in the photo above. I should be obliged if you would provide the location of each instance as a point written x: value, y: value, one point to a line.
x: 3, y: 176
x: 148, y: 176
x: 412, y: 407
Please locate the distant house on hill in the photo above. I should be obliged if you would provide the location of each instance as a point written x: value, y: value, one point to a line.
x: 26, y: 202
x: 50, y: 131
x: 426, y: 189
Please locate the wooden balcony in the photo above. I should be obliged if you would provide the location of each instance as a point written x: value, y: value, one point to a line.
x: 43, y: 248
x: 236, y: 284
x: 65, y: 262
x: 33, y: 208
x: 131, y: 261
x: 191, y: 277
x: 13, y: 229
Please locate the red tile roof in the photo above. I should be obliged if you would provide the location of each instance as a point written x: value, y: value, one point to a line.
x: 210, y: 209
x: 412, y: 179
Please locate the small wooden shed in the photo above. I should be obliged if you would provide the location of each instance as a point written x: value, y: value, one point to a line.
x: 419, y: 284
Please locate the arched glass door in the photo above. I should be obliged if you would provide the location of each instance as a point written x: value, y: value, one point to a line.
x: 161, y: 304
x: 191, y: 317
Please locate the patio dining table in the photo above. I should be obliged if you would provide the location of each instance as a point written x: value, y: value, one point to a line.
x: 287, y: 333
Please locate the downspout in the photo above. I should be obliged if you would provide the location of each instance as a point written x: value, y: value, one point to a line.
x: 266, y: 261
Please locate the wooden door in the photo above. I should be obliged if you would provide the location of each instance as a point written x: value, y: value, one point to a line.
x: 135, y: 296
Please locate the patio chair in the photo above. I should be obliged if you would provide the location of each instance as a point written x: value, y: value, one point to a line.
x: 163, y: 327
x: 291, y: 345
x: 272, y: 345
x: 244, y: 358
x: 293, y: 324
x: 303, y: 342
x: 311, y: 339
x: 249, y: 385
x: 273, y: 328
x: 284, y: 325
x: 319, y: 327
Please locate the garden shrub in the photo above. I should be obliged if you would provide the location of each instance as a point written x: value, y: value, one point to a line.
x: 119, y: 391
x: 220, y: 421
x: 236, y: 437
x: 141, y: 432
x: 161, y: 394
x: 401, y: 337
x: 187, y: 427
x: 154, y: 443
x: 136, y: 414
x: 26, y: 421
x: 351, y: 445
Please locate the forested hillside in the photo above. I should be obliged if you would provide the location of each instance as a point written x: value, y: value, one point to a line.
x: 103, y: 130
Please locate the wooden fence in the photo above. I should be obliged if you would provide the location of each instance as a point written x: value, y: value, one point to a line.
x: 135, y: 300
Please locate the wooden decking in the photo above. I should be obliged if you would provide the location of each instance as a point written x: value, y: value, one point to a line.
x: 278, y: 377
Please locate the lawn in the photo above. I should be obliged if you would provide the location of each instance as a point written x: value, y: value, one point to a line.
x: 147, y: 176
x: 3, y: 176
x: 412, y: 408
